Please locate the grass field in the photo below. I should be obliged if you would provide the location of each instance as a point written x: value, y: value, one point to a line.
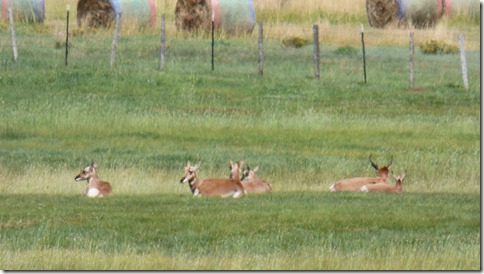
x: 142, y: 125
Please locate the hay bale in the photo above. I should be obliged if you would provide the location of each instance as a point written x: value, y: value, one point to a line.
x: 30, y: 11
x: 381, y: 13
x: 230, y: 16
x: 465, y: 8
x: 417, y: 13
x: 234, y: 16
x: 102, y: 13
x: 421, y: 13
x: 192, y: 15
x: 95, y: 13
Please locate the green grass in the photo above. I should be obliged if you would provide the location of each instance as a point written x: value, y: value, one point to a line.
x: 142, y: 125
x: 285, y: 230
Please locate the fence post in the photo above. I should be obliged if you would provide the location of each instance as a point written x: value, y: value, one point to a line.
x: 115, y: 39
x: 67, y: 34
x: 411, y: 60
x: 463, y: 61
x: 363, y: 49
x: 213, y: 41
x: 261, y: 50
x: 14, y: 36
x: 163, y: 40
x: 316, y: 50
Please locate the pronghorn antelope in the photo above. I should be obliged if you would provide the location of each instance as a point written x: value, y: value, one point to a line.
x: 383, y: 187
x: 354, y: 184
x: 252, y: 183
x: 214, y: 187
x: 95, y: 187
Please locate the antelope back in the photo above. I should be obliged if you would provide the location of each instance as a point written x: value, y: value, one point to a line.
x: 213, y: 187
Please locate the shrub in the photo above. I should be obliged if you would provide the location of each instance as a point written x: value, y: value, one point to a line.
x: 295, y: 41
x: 438, y: 47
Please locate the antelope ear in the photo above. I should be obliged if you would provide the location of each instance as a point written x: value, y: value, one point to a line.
x: 197, y: 165
x: 256, y: 168
x: 93, y: 164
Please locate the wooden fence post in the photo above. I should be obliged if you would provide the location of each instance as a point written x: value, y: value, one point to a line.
x: 261, y: 50
x: 316, y: 50
x: 411, y: 60
x: 14, y: 36
x: 115, y: 39
x: 363, y: 50
x: 162, y: 42
x: 463, y: 61
x: 213, y: 41
x: 67, y: 34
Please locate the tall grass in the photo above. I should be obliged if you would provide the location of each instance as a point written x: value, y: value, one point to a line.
x: 296, y: 128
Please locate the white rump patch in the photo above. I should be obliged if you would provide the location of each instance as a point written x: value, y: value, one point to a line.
x: 364, y: 188
x: 92, y: 192
x: 237, y: 194
x: 332, y: 188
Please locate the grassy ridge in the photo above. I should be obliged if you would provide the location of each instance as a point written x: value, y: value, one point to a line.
x: 305, y: 231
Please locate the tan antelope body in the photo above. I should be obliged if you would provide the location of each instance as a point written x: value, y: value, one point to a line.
x: 95, y: 187
x: 252, y: 183
x: 397, y: 188
x: 355, y: 184
x: 214, y: 187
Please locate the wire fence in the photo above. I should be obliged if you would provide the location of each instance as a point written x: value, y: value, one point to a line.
x: 252, y: 55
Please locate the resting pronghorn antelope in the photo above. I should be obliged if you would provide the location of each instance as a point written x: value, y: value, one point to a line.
x: 383, y: 187
x: 252, y: 183
x: 214, y: 187
x: 95, y: 187
x: 354, y: 184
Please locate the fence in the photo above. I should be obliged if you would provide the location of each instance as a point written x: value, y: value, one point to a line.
x: 246, y: 55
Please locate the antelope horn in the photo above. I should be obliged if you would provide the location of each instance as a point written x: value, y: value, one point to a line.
x: 390, y: 163
x: 375, y: 166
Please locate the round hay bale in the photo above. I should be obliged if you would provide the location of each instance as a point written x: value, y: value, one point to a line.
x: 234, y: 16
x: 230, y: 16
x: 102, y: 13
x: 468, y: 8
x: 193, y: 15
x: 421, y: 13
x: 417, y: 13
x: 380, y: 13
x: 30, y: 11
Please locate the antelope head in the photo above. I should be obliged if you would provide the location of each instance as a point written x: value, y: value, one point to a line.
x: 235, y: 169
x: 400, y: 178
x: 87, y: 173
x: 381, y: 171
x: 249, y: 174
x: 190, y: 174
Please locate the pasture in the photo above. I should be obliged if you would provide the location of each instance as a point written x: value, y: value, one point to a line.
x: 142, y: 125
